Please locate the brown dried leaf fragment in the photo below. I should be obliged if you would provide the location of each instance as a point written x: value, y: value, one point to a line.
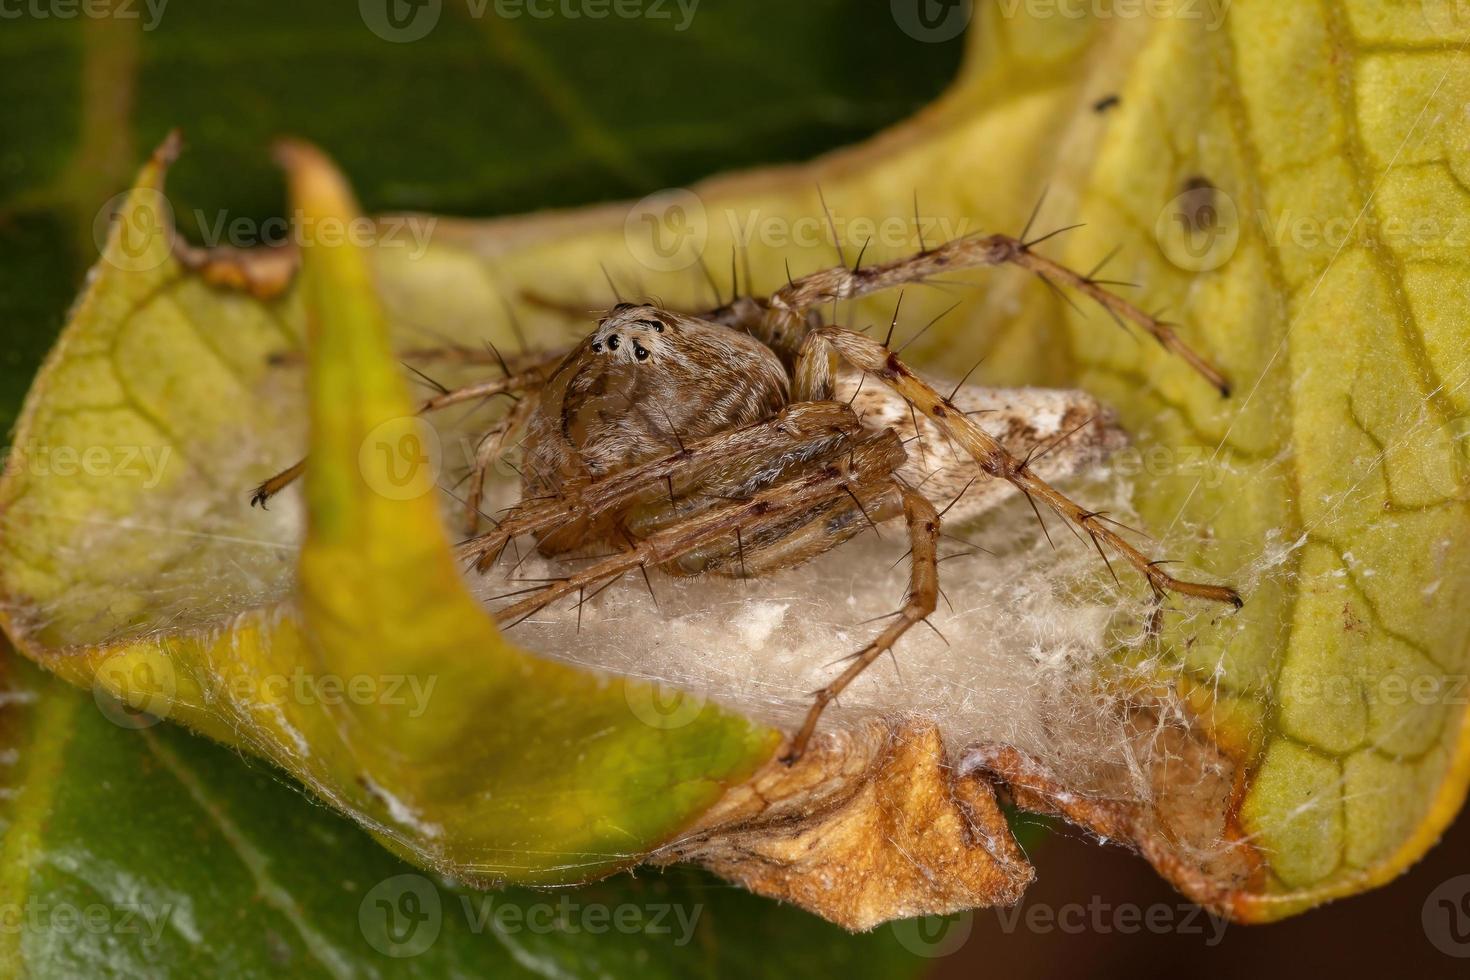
x: 872, y: 824
x: 1185, y: 828
x: 265, y: 272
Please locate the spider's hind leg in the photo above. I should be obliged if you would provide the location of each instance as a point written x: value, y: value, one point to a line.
x: 814, y: 380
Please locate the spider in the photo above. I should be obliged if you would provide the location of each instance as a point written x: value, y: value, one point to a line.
x: 714, y: 443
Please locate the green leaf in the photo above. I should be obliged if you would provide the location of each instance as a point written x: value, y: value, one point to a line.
x: 136, y: 849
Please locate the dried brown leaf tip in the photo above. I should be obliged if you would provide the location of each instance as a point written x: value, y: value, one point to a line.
x: 872, y: 824
x: 265, y: 272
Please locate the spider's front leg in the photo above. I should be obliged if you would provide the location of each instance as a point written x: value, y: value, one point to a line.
x: 814, y: 380
x: 703, y: 473
x: 492, y: 448
x: 923, y: 595
x: 527, y: 379
x: 784, y: 322
x: 865, y: 479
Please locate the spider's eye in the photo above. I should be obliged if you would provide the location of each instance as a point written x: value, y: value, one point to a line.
x: 597, y: 347
x: 613, y: 340
x: 639, y: 351
x: 652, y: 325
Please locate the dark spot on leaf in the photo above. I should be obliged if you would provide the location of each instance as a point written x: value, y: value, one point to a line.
x: 1197, y: 204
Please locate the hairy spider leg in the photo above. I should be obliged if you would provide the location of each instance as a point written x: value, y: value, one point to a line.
x: 923, y: 595
x: 528, y: 380
x: 814, y: 381
x: 720, y: 461
x: 492, y: 448
x: 866, y: 476
x: 785, y: 321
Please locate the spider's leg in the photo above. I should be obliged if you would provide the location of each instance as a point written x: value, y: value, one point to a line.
x: 868, y: 473
x: 923, y: 595
x: 814, y: 380
x: 526, y: 380
x: 787, y: 308
x: 529, y: 379
x: 797, y: 429
x: 492, y: 447
x: 459, y: 354
x: 263, y: 493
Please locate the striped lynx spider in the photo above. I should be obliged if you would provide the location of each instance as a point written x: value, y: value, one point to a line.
x: 718, y: 443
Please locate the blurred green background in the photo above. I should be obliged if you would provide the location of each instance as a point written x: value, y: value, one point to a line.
x: 483, y: 115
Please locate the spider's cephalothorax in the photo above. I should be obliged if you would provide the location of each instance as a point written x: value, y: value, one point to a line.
x: 744, y: 440
x: 648, y: 385
x: 641, y: 382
